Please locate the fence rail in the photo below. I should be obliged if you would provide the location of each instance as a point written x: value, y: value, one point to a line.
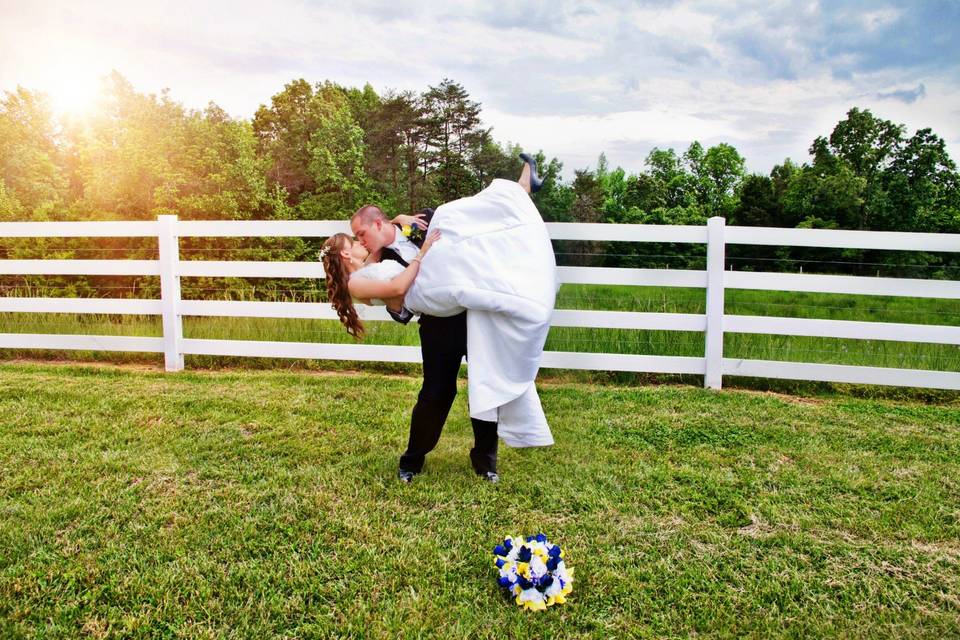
x: 714, y: 323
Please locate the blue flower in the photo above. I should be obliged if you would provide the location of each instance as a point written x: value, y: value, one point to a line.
x: 499, y: 550
x: 541, y: 538
x: 545, y: 582
x: 554, y: 551
x: 552, y: 564
x: 525, y: 554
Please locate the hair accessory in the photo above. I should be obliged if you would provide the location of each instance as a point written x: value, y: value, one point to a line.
x: 323, y: 253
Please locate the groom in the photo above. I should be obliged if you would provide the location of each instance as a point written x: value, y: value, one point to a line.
x: 443, y: 344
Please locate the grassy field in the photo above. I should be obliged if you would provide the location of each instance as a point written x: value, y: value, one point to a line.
x: 140, y: 504
x: 670, y: 300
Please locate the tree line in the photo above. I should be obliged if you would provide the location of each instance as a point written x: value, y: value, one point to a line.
x: 319, y: 151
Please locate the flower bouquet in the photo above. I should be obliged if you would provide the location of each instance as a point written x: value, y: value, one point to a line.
x: 533, y: 571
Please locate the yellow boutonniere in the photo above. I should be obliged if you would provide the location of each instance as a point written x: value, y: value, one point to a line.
x: 406, y: 230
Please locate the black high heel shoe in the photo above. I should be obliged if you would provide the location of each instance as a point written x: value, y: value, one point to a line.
x: 535, y: 181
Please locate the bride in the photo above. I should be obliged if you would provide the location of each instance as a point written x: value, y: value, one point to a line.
x: 489, y: 254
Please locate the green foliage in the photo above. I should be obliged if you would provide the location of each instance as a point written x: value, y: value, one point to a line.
x: 319, y: 151
x: 142, y: 156
x: 10, y: 207
x: 314, y: 147
x: 31, y: 157
x: 452, y: 134
x: 127, y: 152
x: 219, y: 175
x: 336, y: 167
x: 835, y: 195
x: 555, y: 199
x: 719, y: 176
x: 671, y: 182
x: 394, y: 145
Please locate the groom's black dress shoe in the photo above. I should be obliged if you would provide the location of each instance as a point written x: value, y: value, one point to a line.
x: 535, y: 180
x: 489, y: 476
x: 405, y: 477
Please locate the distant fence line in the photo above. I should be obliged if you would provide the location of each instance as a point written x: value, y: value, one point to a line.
x: 713, y: 323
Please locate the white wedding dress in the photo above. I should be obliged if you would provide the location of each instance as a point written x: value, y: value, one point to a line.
x: 495, y: 260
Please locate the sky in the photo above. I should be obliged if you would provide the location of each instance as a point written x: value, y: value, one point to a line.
x: 572, y: 79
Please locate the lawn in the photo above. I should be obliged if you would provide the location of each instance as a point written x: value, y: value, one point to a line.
x: 259, y: 504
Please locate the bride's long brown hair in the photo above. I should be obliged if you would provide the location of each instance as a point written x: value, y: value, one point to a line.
x: 338, y: 292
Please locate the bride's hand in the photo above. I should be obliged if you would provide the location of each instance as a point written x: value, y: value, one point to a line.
x: 431, y: 238
x: 416, y: 220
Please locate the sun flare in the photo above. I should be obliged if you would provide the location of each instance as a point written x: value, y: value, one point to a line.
x: 73, y: 80
x: 74, y: 94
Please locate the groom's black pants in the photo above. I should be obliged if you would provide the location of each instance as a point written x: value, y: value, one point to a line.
x: 443, y: 343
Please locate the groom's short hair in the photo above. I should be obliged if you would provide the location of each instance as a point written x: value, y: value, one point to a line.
x: 368, y: 213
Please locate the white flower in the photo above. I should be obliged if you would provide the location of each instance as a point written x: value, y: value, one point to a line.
x: 554, y: 589
x: 537, y: 567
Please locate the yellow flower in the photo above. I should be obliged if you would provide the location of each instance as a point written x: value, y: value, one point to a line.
x: 523, y: 569
x: 406, y: 230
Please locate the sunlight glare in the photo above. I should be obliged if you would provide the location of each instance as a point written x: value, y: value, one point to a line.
x: 74, y: 95
x: 73, y: 87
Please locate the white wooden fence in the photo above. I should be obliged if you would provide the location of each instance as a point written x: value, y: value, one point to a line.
x: 714, y: 323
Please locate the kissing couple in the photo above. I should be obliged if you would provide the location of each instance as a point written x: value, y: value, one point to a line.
x: 483, y: 283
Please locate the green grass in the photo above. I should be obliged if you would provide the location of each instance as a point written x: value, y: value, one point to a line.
x: 263, y: 504
x: 875, y: 353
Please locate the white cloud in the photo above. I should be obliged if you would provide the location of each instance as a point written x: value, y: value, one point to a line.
x: 572, y: 78
x: 874, y: 20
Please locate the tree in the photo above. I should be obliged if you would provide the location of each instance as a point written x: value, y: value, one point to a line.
x: 488, y: 160
x: 126, y: 152
x: 215, y: 173
x: 758, y: 205
x: 31, y: 154
x: 451, y: 130
x: 643, y: 193
x: 671, y: 179
x: 314, y: 146
x: 714, y: 176
x: 283, y: 131
x: 722, y: 170
x: 555, y: 199
x: 835, y: 198
x: 336, y: 167
x: 922, y: 183
x: 10, y: 207
x: 865, y: 142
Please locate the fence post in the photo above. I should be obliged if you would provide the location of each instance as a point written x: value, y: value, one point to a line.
x: 716, y: 251
x: 170, y: 292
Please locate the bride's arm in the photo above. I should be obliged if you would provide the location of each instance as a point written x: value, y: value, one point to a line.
x: 364, y: 289
x: 397, y: 286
